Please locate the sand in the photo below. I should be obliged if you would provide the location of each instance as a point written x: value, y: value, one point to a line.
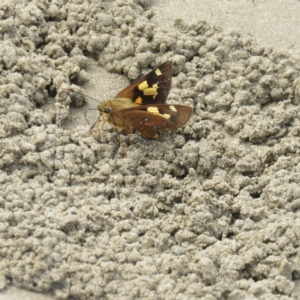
x: 211, y: 212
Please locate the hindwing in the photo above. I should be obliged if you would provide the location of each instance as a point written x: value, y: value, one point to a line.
x: 150, y: 119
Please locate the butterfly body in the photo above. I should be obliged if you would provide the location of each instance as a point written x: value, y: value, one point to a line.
x: 110, y: 111
x: 142, y: 106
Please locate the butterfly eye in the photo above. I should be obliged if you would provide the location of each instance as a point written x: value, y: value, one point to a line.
x: 107, y: 110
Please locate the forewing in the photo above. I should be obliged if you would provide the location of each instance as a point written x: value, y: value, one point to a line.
x: 153, y: 88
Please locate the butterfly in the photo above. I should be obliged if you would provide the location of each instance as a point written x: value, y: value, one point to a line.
x: 142, y: 106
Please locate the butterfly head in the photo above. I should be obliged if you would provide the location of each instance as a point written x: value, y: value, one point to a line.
x: 107, y: 110
x: 104, y: 108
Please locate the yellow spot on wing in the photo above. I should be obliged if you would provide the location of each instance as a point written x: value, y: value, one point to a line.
x: 143, y: 85
x: 153, y: 109
x: 158, y: 72
x: 167, y: 116
x: 173, y: 108
x: 150, y: 91
x: 138, y: 100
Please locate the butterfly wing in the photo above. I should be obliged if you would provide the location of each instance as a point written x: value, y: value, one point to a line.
x: 149, y: 119
x: 153, y: 88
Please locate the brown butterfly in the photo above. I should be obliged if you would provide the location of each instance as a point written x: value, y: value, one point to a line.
x: 142, y: 106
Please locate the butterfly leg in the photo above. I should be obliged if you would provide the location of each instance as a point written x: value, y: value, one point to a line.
x: 128, y: 138
x: 128, y: 131
x: 120, y: 142
x: 99, y: 130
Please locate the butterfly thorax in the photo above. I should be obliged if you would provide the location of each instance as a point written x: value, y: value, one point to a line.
x: 109, y: 111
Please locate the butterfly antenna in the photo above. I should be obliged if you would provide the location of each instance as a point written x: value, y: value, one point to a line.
x: 82, y: 94
x: 92, y: 127
x: 85, y: 114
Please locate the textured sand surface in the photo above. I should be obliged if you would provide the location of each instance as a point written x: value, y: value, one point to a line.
x: 211, y: 212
